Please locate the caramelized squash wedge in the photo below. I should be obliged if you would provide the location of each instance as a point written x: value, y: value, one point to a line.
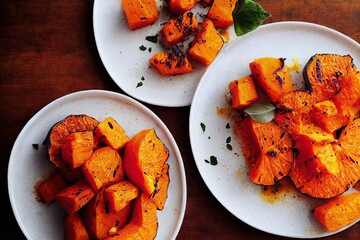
x: 322, y: 72
x: 339, y: 212
x: 144, y: 157
x: 273, y: 75
x: 269, y: 151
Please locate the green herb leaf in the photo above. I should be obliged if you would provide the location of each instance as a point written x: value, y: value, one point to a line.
x: 142, y: 48
x: 261, y: 111
x: 248, y: 15
x: 213, y: 160
x: 139, y: 84
x: 153, y: 39
x: 203, y: 127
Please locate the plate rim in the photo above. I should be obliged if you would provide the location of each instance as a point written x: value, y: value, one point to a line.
x: 202, y: 81
x: 107, y: 94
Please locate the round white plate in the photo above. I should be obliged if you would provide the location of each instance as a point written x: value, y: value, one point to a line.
x: 128, y: 66
x: 28, y: 166
x: 228, y: 180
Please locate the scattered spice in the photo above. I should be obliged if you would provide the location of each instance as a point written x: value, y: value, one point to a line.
x: 142, y: 48
x: 203, y: 127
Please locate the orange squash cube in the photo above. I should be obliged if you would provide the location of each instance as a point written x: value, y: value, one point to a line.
x: 207, y: 44
x: 179, y: 28
x: 273, y: 76
x: 51, y: 187
x: 112, y: 133
x: 77, y: 148
x: 221, y: 12
x: 243, y: 92
x: 140, y: 13
x: 181, y: 6
x: 75, y: 196
x: 105, y: 167
x: 326, y: 116
x: 339, y: 212
x: 171, y: 63
x: 120, y: 194
x: 74, y: 228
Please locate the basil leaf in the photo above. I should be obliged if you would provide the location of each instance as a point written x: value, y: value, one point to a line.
x: 261, y: 111
x: 248, y: 15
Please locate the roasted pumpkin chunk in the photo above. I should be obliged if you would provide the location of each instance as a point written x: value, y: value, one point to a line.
x: 220, y: 12
x: 273, y: 75
x: 322, y: 72
x: 140, y: 13
x: 144, y: 157
x: 171, y: 63
x: 243, y: 92
x: 112, y: 133
x: 178, y: 28
x: 269, y: 151
x: 207, y: 43
x: 181, y: 6
x: 339, y: 212
x: 102, y: 222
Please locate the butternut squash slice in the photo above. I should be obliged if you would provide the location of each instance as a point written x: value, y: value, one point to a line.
x: 207, y: 43
x: 143, y: 224
x: 49, y: 188
x: 269, y: 151
x: 120, y: 194
x: 74, y: 228
x: 100, y: 221
x: 322, y: 170
x: 321, y: 74
x: 177, y: 29
x: 160, y: 194
x: 77, y: 148
x: 105, y: 167
x: 171, y: 63
x: 74, y: 197
x: 140, y: 13
x: 112, y: 133
x: 144, y: 157
x: 339, y: 212
x: 273, y: 75
x: 220, y: 12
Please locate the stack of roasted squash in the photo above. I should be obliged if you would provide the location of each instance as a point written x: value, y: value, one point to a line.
x: 314, y: 137
x: 109, y: 185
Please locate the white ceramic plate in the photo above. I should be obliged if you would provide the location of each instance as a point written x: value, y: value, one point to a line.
x: 28, y: 166
x: 228, y: 181
x: 119, y: 51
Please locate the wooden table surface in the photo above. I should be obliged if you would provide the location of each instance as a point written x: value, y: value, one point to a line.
x: 48, y: 50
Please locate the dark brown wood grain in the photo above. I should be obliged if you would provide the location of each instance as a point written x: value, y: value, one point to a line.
x: 47, y: 50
